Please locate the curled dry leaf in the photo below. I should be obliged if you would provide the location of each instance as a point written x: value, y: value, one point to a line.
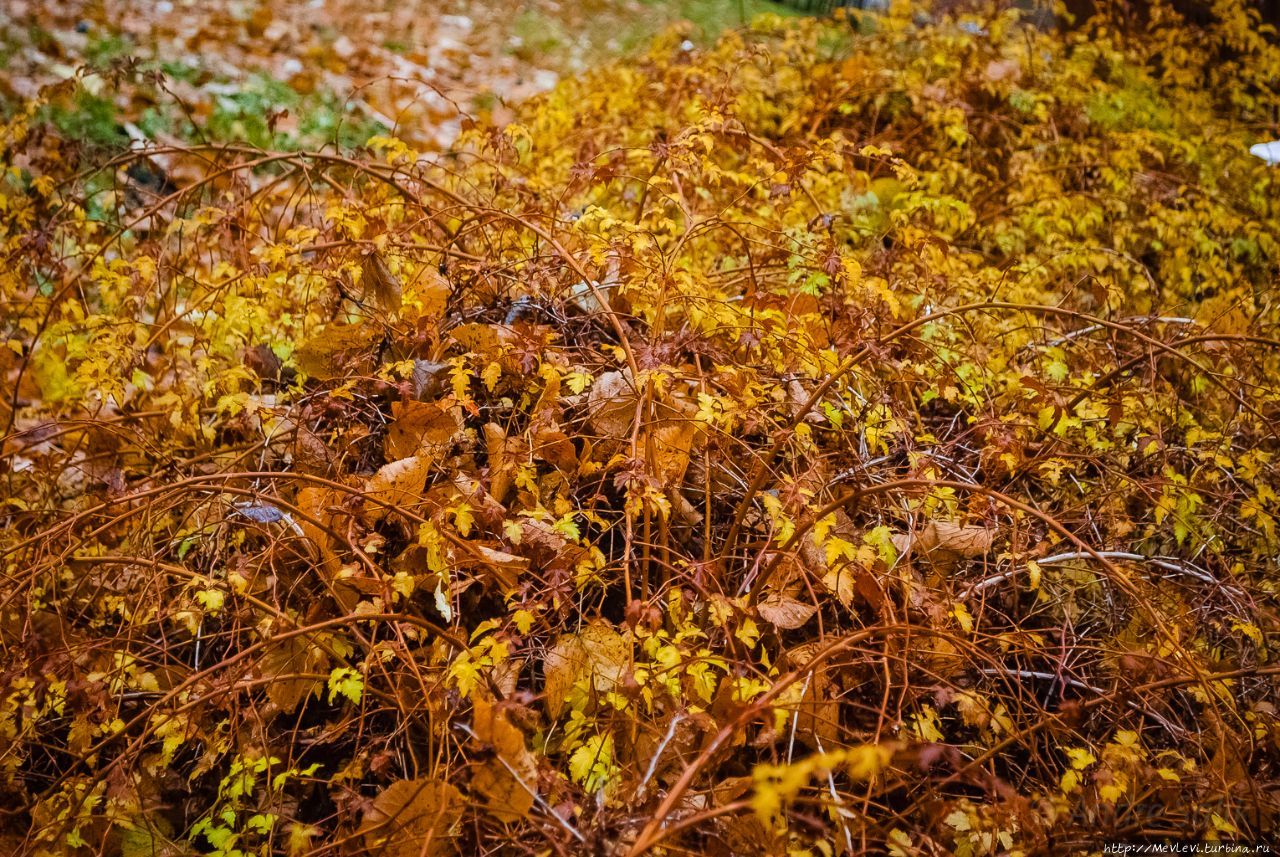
x: 505, y: 454
x: 413, y: 818
x: 506, y: 568
x: 785, y: 612
x: 380, y: 284
x: 965, y: 540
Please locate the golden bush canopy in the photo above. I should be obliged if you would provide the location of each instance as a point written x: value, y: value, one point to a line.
x: 858, y: 434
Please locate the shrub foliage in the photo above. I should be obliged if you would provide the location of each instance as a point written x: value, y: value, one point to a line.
x: 858, y: 436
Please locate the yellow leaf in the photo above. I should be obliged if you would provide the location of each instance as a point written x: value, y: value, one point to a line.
x: 1080, y: 758
x: 867, y: 760
x: 211, y: 600
x: 592, y: 764
x: 491, y: 374
x: 1070, y: 782
x: 1033, y: 575
x: 463, y: 518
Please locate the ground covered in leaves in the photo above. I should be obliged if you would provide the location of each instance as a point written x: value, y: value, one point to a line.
x: 305, y: 73
x: 855, y: 436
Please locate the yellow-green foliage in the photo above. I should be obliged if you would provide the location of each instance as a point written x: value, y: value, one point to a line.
x: 857, y: 436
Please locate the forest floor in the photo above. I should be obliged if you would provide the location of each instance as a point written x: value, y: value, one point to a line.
x: 310, y: 72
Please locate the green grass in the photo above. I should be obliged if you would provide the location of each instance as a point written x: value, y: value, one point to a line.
x: 104, y: 50
x: 242, y: 116
x: 321, y: 118
x: 606, y: 36
x: 709, y: 17
x: 88, y: 118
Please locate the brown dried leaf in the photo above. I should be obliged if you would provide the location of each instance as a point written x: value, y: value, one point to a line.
x: 311, y: 454
x: 1000, y: 70
x: 400, y: 483
x: 430, y: 291
x: 315, y: 502
x: 413, y: 818
x: 598, y: 654
x: 338, y: 350
x: 545, y: 547
x: 611, y: 405
x: 509, y: 779
x: 564, y: 662
x: 380, y: 283
x: 482, y: 339
x: 672, y: 441
x: 938, y: 655
x: 554, y: 447
x: 291, y: 656
x: 429, y: 379
x: 815, y: 714
x: 967, y: 541
x: 783, y: 611
x: 419, y: 427
x: 682, y: 511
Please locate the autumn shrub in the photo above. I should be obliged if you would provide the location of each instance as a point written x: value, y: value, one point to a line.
x: 856, y: 437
